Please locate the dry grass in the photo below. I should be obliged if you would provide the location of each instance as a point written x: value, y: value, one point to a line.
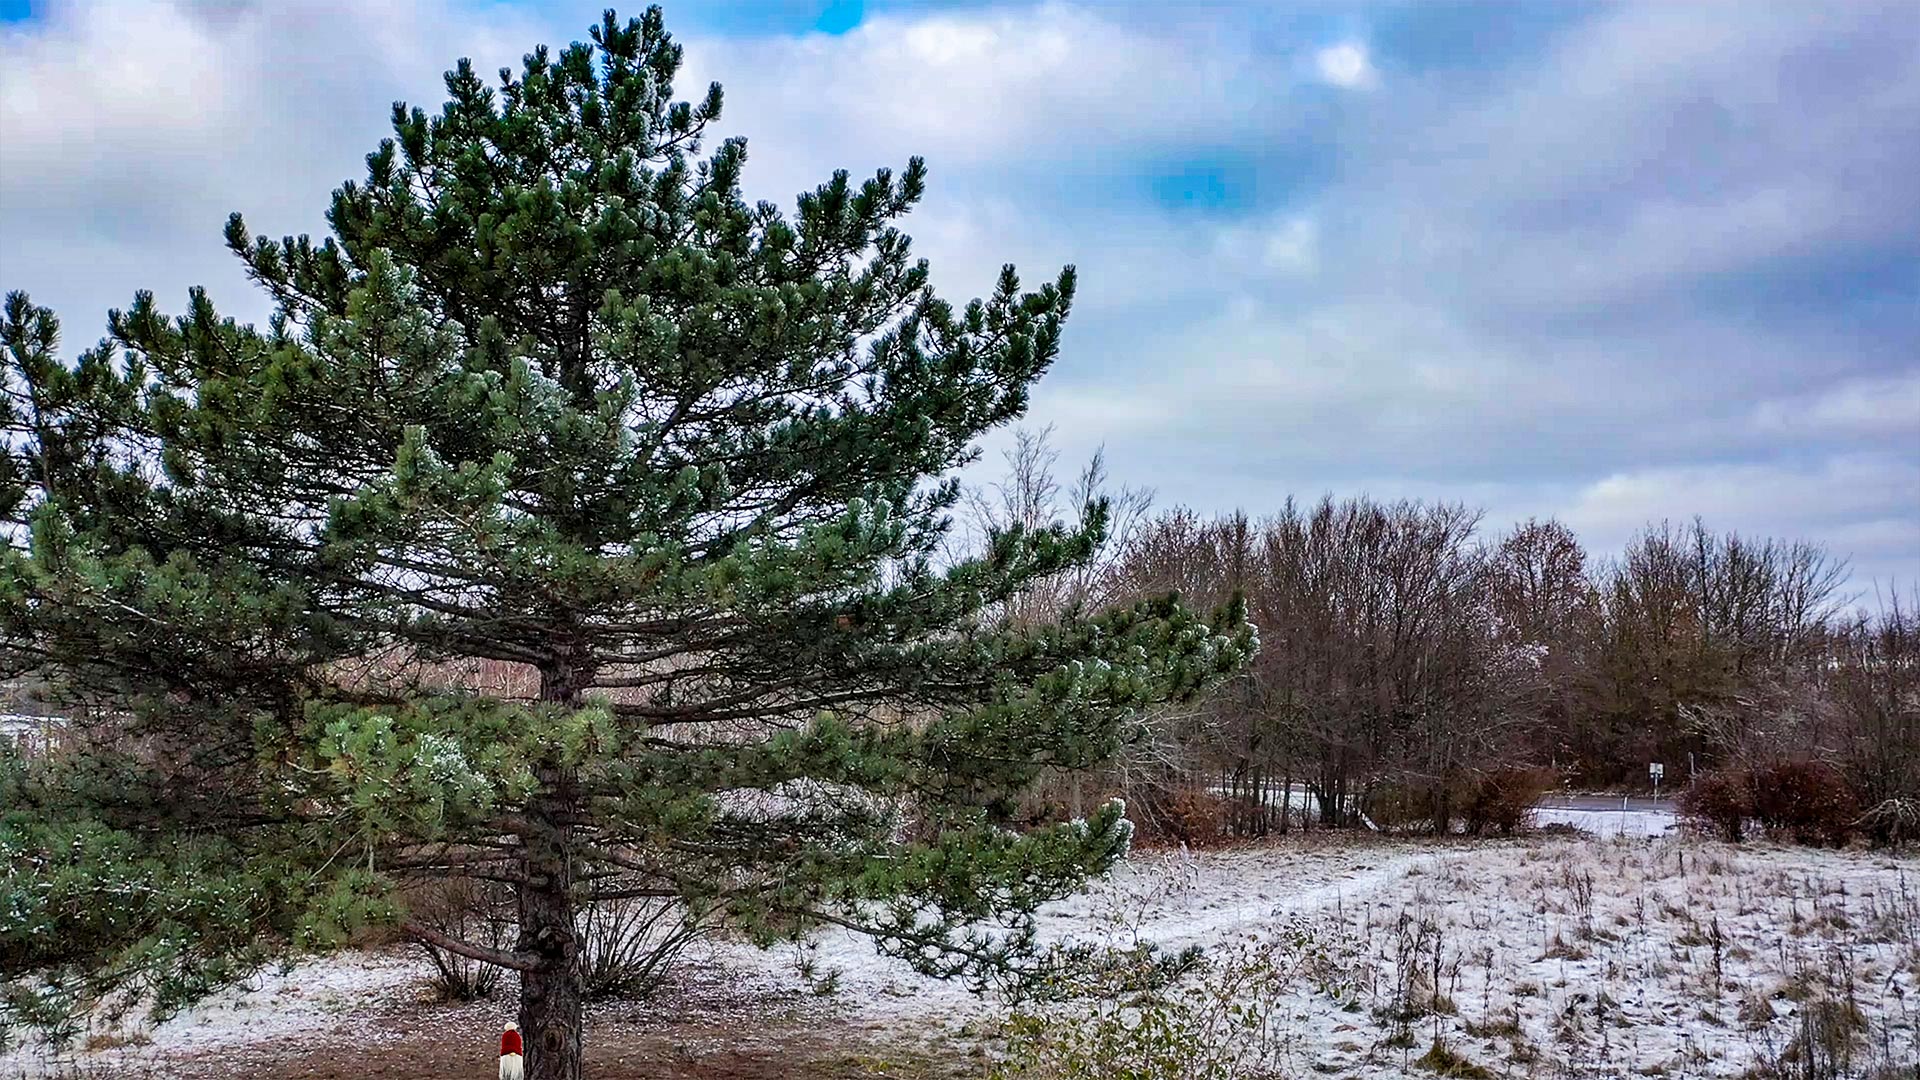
x: 1674, y: 957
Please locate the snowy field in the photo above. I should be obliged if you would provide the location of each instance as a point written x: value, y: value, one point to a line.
x: 1575, y: 957
x: 1551, y: 956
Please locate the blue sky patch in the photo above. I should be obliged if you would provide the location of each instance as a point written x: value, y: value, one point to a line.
x: 756, y: 18
x: 1204, y: 185
x: 840, y: 16
x: 1472, y: 36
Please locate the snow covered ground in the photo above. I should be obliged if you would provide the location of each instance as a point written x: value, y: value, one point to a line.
x: 1575, y: 956
x: 1557, y: 957
x: 1605, y: 823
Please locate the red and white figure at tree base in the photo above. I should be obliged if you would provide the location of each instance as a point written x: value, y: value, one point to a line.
x: 512, y: 1065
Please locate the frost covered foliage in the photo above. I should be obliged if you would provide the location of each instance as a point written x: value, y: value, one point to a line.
x: 1115, y: 1003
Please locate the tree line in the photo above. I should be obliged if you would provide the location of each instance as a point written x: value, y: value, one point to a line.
x: 1410, y: 656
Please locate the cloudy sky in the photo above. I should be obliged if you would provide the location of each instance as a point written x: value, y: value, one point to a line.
x: 1612, y: 263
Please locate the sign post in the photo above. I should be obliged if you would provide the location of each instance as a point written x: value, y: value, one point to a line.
x: 1656, y: 770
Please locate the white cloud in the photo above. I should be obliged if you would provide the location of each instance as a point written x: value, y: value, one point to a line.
x: 987, y: 86
x: 1346, y: 65
x: 1842, y: 498
x: 1654, y: 147
x: 1873, y: 406
x: 1286, y: 244
x: 1294, y: 246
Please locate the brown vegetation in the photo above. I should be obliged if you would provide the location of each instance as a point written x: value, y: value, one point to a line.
x: 1416, y: 673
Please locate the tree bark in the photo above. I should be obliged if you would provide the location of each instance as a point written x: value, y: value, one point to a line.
x: 552, y: 1020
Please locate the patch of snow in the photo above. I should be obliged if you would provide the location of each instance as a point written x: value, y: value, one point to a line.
x: 30, y: 733
x: 307, y: 1000
x: 1172, y: 899
x: 1605, y: 823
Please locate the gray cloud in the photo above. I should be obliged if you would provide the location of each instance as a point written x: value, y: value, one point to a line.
x: 129, y: 131
x: 1629, y: 277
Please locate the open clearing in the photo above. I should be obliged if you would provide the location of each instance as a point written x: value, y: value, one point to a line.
x: 1549, y: 956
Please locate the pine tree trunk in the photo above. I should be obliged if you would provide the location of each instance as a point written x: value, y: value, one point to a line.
x: 551, y: 1017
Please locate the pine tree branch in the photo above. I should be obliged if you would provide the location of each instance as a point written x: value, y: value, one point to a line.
x: 516, y: 961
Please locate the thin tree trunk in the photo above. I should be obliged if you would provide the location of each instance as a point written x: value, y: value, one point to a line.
x: 1286, y: 801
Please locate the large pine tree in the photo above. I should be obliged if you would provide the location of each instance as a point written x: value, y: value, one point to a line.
x: 553, y: 394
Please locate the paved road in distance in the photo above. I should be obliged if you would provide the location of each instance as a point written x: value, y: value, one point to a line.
x: 1616, y: 803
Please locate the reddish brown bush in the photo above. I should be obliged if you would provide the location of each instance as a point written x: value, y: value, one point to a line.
x: 1192, y: 816
x: 1720, y: 800
x: 1807, y: 800
x: 1503, y: 799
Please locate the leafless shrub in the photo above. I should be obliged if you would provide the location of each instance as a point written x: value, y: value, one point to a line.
x: 1191, y: 815
x: 1892, y: 822
x: 1806, y: 801
x: 629, y: 943
x: 1875, y: 685
x: 465, y: 909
